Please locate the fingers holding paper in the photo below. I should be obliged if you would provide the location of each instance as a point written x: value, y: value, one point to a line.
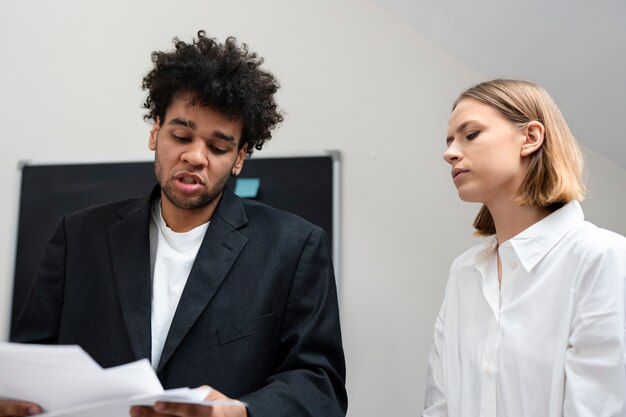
x: 10, y: 408
x: 225, y: 407
x: 189, y: 410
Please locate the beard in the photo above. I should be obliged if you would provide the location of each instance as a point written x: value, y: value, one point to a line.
x: 189, y: 203
x: 200, y: 201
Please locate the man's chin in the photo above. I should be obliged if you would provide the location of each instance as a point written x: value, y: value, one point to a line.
x: 190, y: 203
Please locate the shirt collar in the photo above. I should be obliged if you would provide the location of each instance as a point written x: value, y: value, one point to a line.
x: 532, y: 244
x: 535, y: 242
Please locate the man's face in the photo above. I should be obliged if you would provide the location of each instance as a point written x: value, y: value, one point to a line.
x: 196, y: 149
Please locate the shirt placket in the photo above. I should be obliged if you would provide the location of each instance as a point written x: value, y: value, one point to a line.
x: 488, y: 364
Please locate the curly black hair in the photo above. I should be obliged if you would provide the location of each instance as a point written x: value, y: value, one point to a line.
x: 226, y: 77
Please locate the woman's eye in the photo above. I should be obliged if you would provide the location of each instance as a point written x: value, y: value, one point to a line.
x: 472, y: 135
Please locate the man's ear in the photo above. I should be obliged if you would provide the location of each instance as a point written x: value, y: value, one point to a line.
x: 534, y: 133
x: 153, y: 135
x: 241, y: 157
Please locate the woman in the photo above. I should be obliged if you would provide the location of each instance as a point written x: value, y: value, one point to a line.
x: 532, y: 322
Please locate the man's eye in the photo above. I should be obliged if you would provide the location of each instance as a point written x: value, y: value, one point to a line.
x: 180, y: 138
x: 472, y: 135
x: 216, y: 150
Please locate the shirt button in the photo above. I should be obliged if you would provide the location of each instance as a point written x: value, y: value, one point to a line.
x: 513, y: 264
x: 487, y: 371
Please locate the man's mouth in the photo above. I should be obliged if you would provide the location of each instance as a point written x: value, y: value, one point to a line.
x: 188, y: 178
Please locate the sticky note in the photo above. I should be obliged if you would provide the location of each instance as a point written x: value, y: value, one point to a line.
x: 247, y: 187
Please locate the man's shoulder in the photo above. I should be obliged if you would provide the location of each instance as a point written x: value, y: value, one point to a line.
x: 258, y: 212
x: 107, y: 211
x: 265, y: 222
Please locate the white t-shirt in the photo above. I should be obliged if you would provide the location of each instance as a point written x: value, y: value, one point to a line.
x: 171, y: 257
x: 550, y: 342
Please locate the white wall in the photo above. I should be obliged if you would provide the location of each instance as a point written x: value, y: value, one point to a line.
x: 606, y: 197
x: 354, y: 79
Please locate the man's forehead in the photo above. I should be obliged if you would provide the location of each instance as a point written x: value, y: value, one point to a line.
x: 190, y: 101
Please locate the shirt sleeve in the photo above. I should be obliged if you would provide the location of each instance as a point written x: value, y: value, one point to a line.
x: 595, y: 373
x: 435, y: 404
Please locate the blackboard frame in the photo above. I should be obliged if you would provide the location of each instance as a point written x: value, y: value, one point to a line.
x: 290, y: 181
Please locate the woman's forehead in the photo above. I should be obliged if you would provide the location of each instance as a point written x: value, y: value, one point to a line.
x: 469, y: 108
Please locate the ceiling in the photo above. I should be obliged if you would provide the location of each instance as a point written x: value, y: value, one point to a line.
x: 576, y: 49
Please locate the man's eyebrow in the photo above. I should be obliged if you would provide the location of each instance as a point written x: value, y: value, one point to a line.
x: 177, y: 121
x: 182, y: 122
x: 221, y: 135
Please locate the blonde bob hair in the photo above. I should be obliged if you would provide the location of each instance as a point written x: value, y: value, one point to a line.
x: 555, y: 172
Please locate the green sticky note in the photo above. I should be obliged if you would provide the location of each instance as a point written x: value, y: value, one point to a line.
x: 247, y: 187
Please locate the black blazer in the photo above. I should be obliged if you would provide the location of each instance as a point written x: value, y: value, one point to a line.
x: 258, y: 318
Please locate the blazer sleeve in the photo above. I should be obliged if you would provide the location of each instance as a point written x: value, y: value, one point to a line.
x: 310, y: 380
x: 41, y: 315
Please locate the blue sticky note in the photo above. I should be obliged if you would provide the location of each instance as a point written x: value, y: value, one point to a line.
x: 247, y: 187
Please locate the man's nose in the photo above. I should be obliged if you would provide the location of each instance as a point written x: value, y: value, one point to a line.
x: 195, y: 154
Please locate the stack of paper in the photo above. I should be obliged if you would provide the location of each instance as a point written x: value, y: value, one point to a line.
x: 66, y: 381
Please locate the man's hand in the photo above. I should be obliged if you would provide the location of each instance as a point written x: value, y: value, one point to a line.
x: 11, y: 408
x: 162, y: 409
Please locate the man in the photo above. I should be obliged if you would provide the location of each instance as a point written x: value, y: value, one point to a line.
x: 213, y: 289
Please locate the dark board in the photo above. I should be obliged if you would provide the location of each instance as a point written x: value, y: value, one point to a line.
x: 301, y: 185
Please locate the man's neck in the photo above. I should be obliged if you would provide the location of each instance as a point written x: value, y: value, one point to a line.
x: 183, y: 220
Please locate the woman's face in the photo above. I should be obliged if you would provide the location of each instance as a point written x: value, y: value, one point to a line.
x: 485, y: 152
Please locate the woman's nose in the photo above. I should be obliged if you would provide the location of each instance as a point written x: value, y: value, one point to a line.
x: 452, y: 154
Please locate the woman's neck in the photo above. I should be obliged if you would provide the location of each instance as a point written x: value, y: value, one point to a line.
x: 510, y: 218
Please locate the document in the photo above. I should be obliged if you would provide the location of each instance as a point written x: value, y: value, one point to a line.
x: 65, y: 381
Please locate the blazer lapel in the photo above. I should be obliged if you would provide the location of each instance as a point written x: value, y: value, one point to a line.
x: 219, y: 250
x: 129, y: 244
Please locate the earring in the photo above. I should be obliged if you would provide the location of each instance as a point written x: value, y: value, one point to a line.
x: 234, y: 173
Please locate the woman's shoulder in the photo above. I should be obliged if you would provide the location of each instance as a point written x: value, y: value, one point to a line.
x: 475, y: 254
x: 589, y: 239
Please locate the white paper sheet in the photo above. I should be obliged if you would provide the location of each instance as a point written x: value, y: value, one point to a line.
x: 121, y: 407
x: 66, y: 382
x: 67, y: 355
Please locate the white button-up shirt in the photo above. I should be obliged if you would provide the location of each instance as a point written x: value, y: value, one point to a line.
x: 548, y: 342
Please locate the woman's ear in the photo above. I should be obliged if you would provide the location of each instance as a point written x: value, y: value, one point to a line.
x: 534, y: 133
